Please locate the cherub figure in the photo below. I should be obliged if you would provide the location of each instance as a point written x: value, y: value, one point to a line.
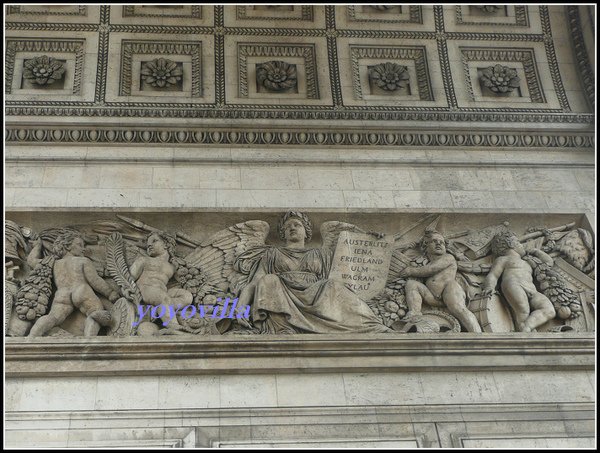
x: 152, y: 274
x: 531, y: 308
x: 441, y: 287
x: 76, y: 280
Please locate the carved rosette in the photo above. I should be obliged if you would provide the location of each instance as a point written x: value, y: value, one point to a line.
x: 43, y: 70
x: 488, y: 8
x: 500, y: 79
x: 161, y: 73
x: 389, y: 76
x: 277, y: 75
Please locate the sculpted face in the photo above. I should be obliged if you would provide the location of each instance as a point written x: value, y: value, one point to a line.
x: 156, y: 245
x: 436, y: 245
x: 294, y: 230
x: 77, y: 247
x: 518, y: 247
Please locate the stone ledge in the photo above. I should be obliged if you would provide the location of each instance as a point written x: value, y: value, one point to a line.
x: 299, y: 415
x: 101, y: 356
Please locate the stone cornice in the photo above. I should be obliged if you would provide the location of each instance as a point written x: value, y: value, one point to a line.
x: 23, y: 133
x: 101, y: 356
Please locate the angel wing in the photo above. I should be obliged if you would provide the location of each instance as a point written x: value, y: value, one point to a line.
x: 118, y: 269
x: 215, y: 256
x: 330, y: 232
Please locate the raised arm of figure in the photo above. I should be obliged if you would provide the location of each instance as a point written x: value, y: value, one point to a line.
x: 429, y: 269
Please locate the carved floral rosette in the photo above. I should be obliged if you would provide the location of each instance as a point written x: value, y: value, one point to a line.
x: 277, y: 75
x: 43, y: 70
x: 161, y: 73
x: 389, y: 76
x: 500, y: 79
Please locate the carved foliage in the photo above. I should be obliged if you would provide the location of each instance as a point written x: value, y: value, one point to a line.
x: 43, y: 70
x: 525, y: 57
x: 488, y: 8
x: 161, y: 73
x: 500, y: 79
x: 417, y: 54
x: 277, y: 75
x: 389, y: 76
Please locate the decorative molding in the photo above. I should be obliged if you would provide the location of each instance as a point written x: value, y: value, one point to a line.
x: 442, y: 46
x: 304, y: 51
x: 161, y: 29
x: 521, y: 18
x: 306, y: 13
x: 552, y: 61
x: 335, y: 111
x: 524, y: 56
x: 586, y: 71
x: 280, y: 353
x: 291, y: 112
x: 73, y: 46
x: 130, y: 11
x: 415, y: 53
x: 415, y: 16
x: 81, y: 11
x: 50, y: 26
x: 131, y: 48
x: 17, y: 134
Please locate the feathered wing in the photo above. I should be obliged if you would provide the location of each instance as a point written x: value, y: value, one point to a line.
x: 116, y: 265
x: 398, y: 262
x: 330, y: 233
x: 215, y: 257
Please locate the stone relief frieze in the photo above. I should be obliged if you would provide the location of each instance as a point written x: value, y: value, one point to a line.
x: 124, y: 277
